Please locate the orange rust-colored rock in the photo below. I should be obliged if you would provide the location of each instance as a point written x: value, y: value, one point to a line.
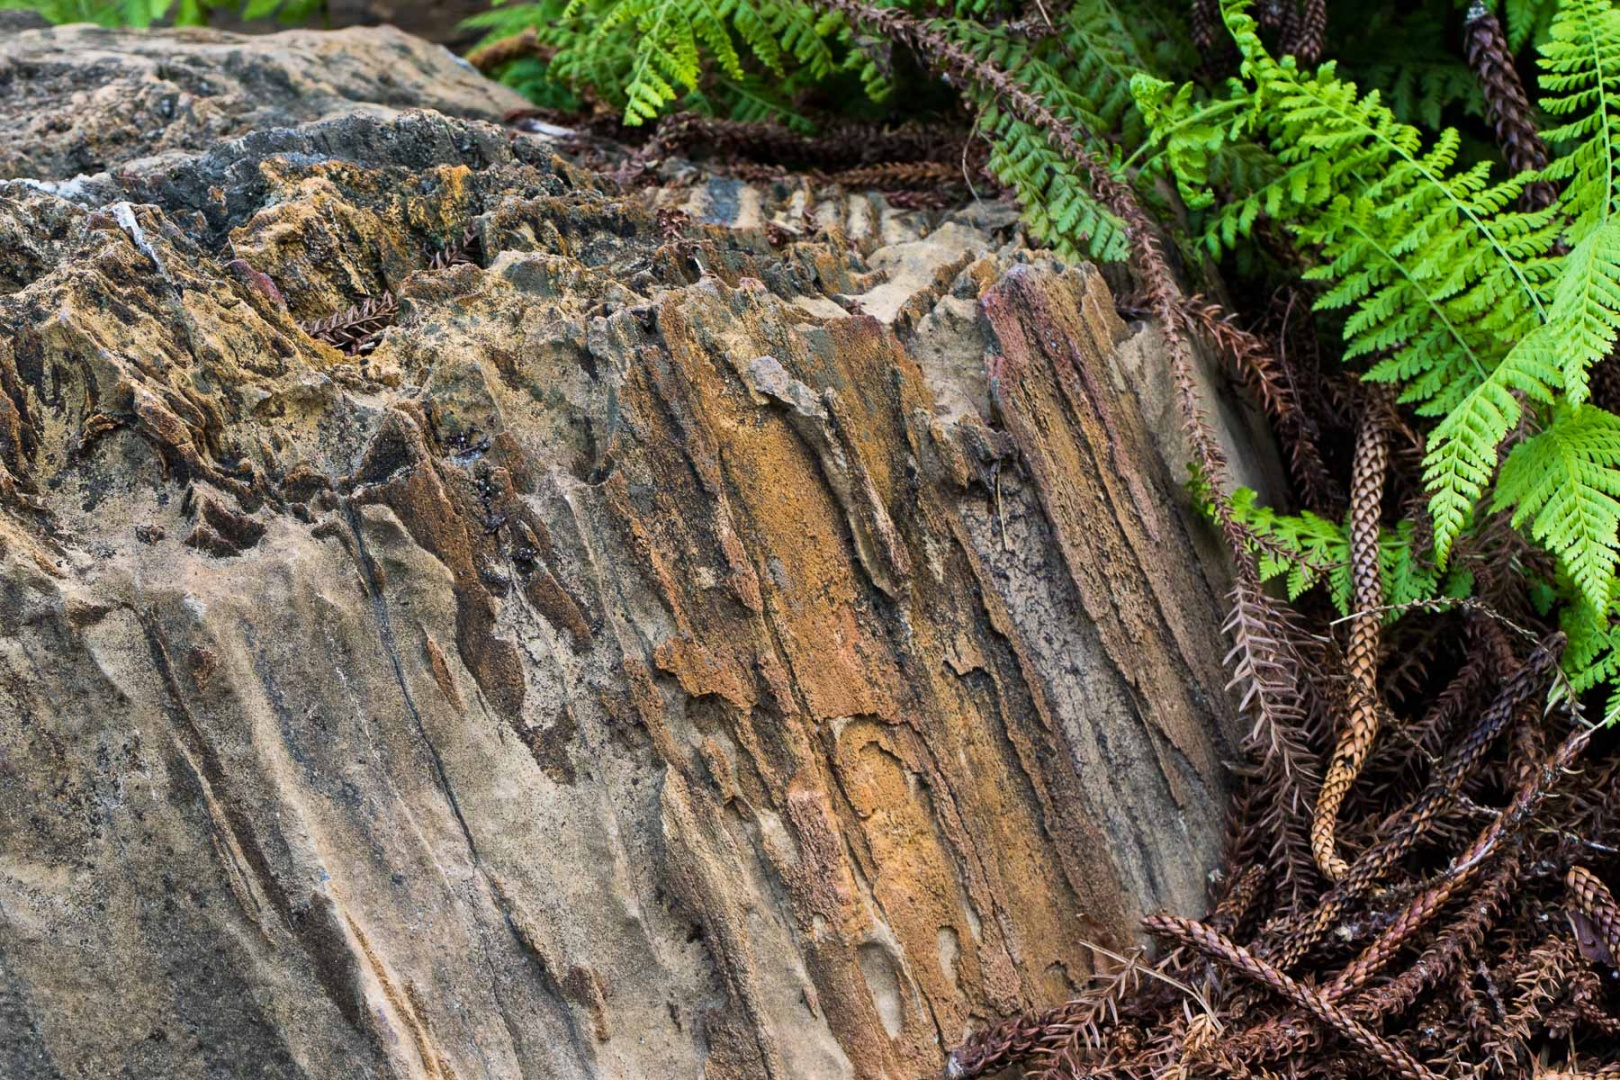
x: 636, y: 666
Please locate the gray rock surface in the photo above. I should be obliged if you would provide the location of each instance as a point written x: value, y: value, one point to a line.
x: 84, y: 99
x: 660, y: 656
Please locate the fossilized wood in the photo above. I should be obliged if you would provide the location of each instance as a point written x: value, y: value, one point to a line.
x: 637, y: 666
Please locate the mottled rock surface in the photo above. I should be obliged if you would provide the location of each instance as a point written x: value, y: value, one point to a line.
x: 84, y: 99
x: 662, y: 656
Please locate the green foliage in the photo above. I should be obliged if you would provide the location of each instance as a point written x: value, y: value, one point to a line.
x: 645, y: 55
x: 1487, y: 317
x: 142, y: 13
x: 1406, y: 55
x: 1059, y: 208
x: 754, y: 59
x: 1592, y: 658
x: 1563, y: 483
x: 1306, y: 550
x: 1525, y: 19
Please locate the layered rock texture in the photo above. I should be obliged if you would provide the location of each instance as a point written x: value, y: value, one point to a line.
x: 84, y: 99
x: 667, y: 653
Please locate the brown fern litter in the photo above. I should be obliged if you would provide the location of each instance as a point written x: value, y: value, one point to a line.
x: 1367, y: 598
x: 1506, y: 103
x: 358, y: 330
x: 1427, y: 902
x: 1423, y: 825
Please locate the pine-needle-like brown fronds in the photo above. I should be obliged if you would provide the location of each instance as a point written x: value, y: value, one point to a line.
x: 1506, y: 103
x: 1245, y: 963
x: 1046, y: 1038
x: 1263, y: 372
x: 486, y: 58
x: 1407, y: 826
x: 1311, y: 37
x: 459, y: 252
x: 1423, y: 740
x: 358, y: 330
x: 1592, y: 900
x: 1210, y: 38
x: 1441, y: 960
x: 903, y: 176
x: 1534, y: 981
x: 842, y: 145
x: 1366, y: 710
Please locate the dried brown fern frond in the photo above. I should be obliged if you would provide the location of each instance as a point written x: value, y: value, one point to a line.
x: 1366, y: 709
x: 1506, y: 103
x: 1594, y: 904
x: 1310, y: 35
x: 903, y: 176
x: 1530, y: 984
x: 1284, y: 772
x: 1418, y: 743
x: 358, y: 330
x: 1407, y: 825
x: 1051, y: 1036
x: 1268, y: 378
x: 486, y: 58
x: 1265, y: 671
x: 839, y: 145
x: 1443, y: 958
x: 1340, y: 1020
x: 459, y: 252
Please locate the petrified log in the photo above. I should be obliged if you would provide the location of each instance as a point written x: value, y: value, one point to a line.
x: 662, y: 652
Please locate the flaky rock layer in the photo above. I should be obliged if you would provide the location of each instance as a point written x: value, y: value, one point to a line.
x: 668, y: 652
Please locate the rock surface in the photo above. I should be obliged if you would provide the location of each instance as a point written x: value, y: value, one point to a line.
x: 84, y: 99
x: 663, y: 655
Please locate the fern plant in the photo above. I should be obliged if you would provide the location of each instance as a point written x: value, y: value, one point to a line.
x: 1306, y: 550
x: 1487, y: 317
x: 645, y: 55
x: 758, y: 59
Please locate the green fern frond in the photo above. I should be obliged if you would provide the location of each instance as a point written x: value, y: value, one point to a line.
x: 1592, y: 655
x: 1420, y: 90
x: 1564, y: 484
x: 1440, y: 277
x: 1463, y: 447
x: 1457, y: 296
x: 1059, y: 209
x: 1586, y: 306
x: 645, y: 55
x: 1305, y: 550
x: 1524, y: 18
x: 1580, y: 80
x: 1580, y: 64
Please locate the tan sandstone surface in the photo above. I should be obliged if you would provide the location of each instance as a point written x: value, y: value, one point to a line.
x: 664, y: 655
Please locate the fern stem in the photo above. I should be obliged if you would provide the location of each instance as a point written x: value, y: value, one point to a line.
x: 1366, y: 710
